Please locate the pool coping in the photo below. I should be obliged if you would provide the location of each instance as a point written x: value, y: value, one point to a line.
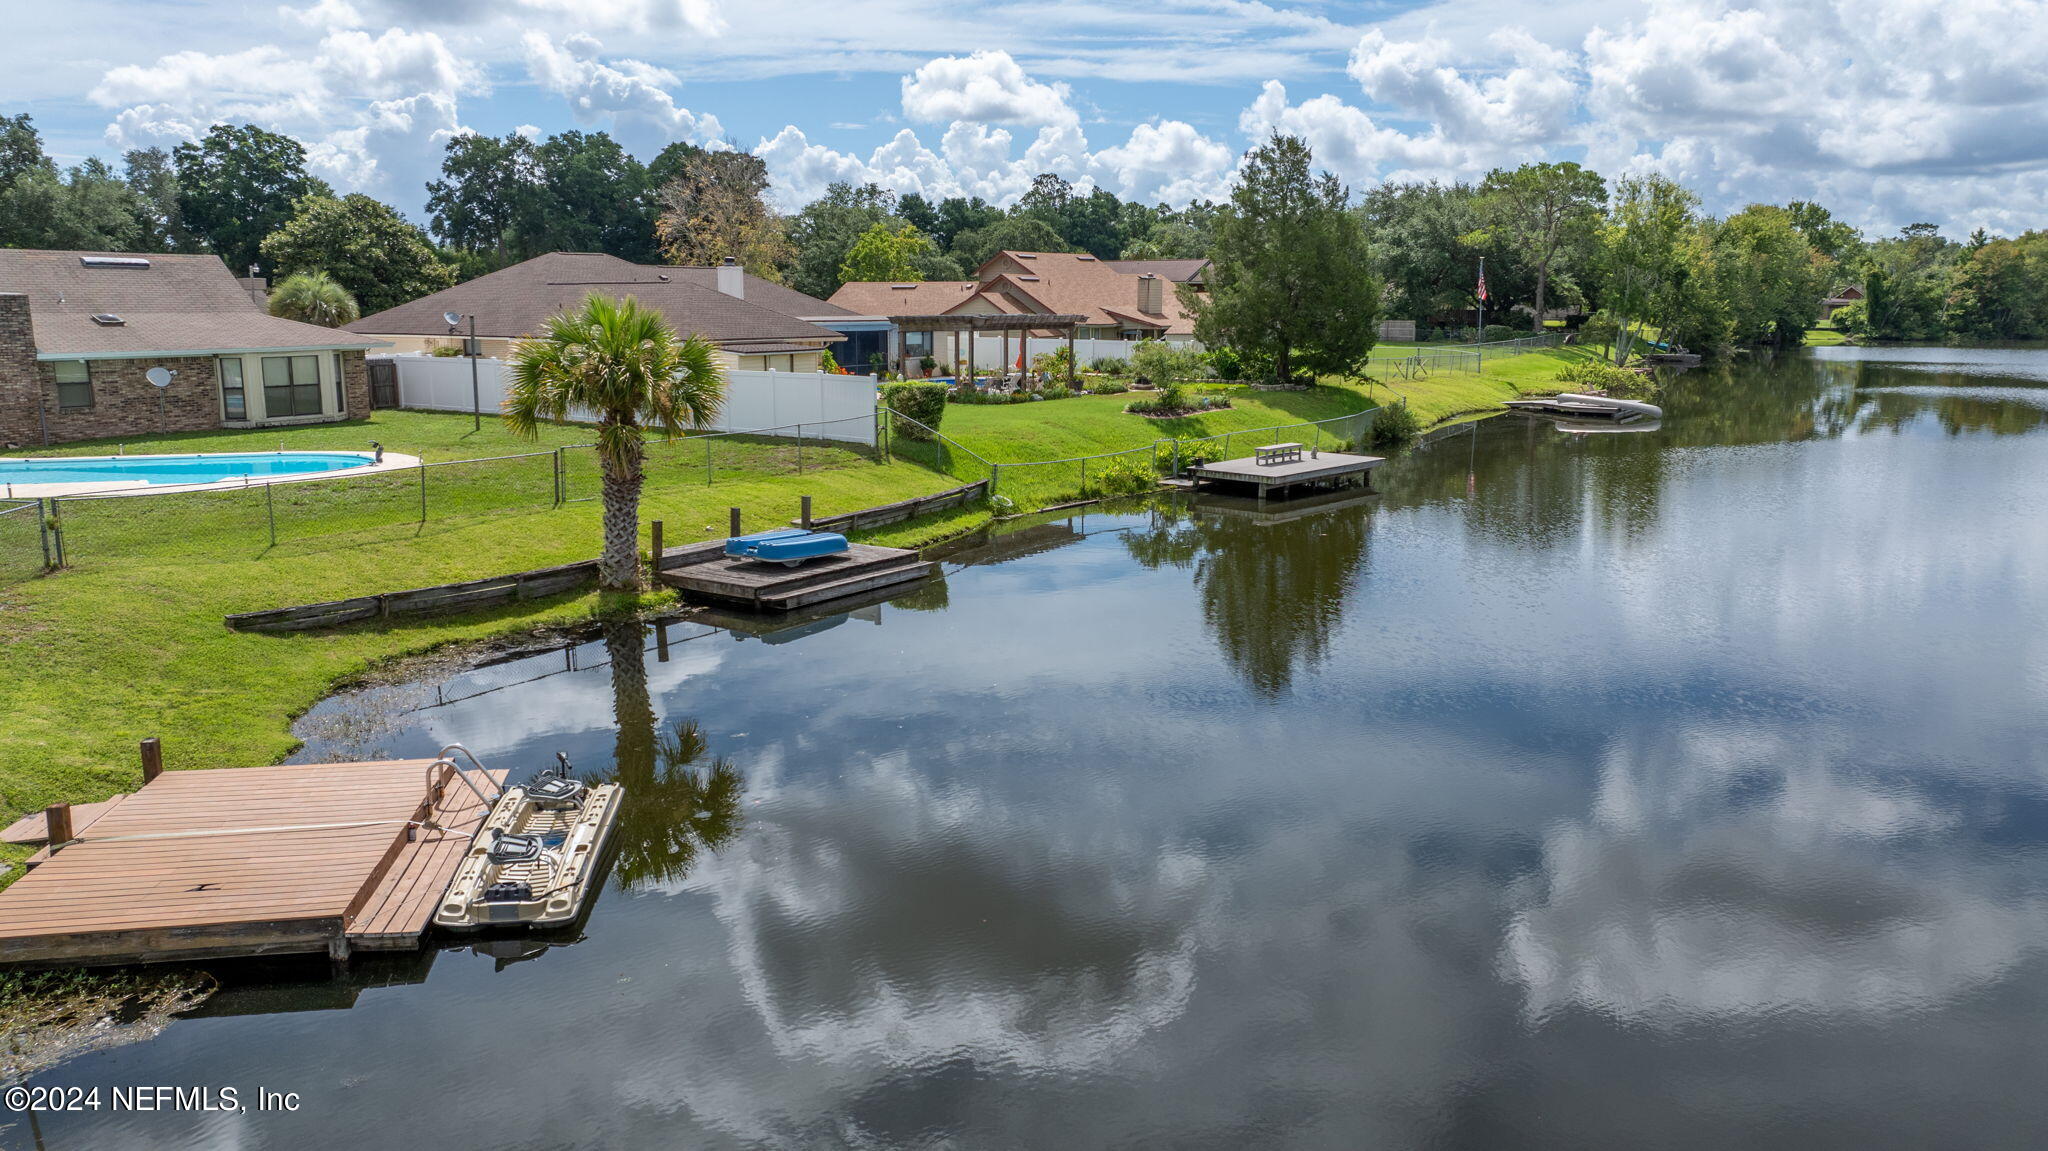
x: 393, y: 461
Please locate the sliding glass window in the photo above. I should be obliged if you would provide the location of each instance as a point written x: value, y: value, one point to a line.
x: 291, y: 386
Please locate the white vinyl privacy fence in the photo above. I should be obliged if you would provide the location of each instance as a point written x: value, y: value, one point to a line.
x: 843, y: 407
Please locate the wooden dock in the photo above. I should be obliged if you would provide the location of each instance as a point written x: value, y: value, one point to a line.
x: 1320, y: 470
x: 705, y: 570
x: 247, y: 861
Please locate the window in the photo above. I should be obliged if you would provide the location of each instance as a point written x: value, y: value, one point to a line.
x: 74, y: 386
x: 917, y: 344
x: 234, y: 399
x: 291, y: 386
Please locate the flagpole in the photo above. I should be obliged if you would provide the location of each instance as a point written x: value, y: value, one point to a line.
x: 1482, y: 301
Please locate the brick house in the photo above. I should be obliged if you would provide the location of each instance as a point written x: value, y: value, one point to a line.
x: 79, y: 332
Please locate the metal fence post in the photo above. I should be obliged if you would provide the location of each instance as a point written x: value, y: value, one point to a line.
x: 270, y: 510
x: 43, y: 532
x: 559, y: 493
x: 423, y: 491
x: 57, y: 531
x: 1084, y: 475
x: 799, y: 449
x: 995, y: 477
x: 709, y: 479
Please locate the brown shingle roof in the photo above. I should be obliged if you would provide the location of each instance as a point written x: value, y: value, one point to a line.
x: 514, y: 302
x: 179, y: 305
x: 883, y: 298
x: 1080, y: 283
x: 767, y: 293
x: 1175, y: 271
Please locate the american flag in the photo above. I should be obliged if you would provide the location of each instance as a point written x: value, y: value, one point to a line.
x: 1482, y: 283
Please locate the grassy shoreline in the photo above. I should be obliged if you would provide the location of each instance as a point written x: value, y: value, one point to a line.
x: 122, y: 647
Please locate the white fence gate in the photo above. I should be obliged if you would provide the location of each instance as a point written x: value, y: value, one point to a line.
x: 828, y: 405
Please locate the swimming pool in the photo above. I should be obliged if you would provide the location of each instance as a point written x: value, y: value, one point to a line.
x: 123, y: 471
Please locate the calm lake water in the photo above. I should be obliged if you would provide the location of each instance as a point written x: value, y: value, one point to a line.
x: 1682, y: 788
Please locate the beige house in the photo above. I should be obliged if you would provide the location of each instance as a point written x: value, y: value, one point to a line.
x: 80, y: 333
x: 1123, y: 300
x: 756, y: 323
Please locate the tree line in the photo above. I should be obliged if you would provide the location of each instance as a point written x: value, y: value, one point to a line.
x: 1633, y: 258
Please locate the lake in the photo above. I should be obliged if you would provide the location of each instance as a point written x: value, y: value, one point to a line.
x: 1683, y: 788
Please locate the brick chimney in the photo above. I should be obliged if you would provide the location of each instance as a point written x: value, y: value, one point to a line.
x: 732, y: 279
x: 21, y: 381
x: 1151, y: 295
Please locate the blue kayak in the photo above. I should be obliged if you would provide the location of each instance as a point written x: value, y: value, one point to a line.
x: 786, y: 546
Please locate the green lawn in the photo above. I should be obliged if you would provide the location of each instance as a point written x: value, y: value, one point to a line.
x: 1090, y: 425
x: 129, y: 643
x: 1825, y: 337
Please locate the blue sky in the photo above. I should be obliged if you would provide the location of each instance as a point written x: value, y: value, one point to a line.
x: 1889, y: 111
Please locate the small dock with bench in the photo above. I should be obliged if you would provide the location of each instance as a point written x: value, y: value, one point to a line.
x: 1276, y: 469
x: 225, y: 862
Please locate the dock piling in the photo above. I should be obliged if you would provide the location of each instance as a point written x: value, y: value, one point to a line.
x: 735, y: 522
x: 655, y: 527
x: 806, y: 516
x: 57, y: 818
x: 152, y: 758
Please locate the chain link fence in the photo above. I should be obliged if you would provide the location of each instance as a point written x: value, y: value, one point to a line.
x: 230, y: 523
x: 708, y: 457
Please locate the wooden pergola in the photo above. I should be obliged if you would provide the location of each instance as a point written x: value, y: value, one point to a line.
x: 1023, y: 323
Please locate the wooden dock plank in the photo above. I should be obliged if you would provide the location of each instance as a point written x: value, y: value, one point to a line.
x: 293, y: 857
x: 703, y: 569
x: 31, y: 828
x: 401, y: 908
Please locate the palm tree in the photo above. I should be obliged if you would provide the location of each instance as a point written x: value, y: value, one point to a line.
x: 622, y: 360
x: 314, y: 298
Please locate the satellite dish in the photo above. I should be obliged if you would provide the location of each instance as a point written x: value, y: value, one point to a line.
x: 452, y: 318
x: 161, y: 377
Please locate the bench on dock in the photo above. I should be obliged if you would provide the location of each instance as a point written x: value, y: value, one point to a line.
x: 1271, y: 454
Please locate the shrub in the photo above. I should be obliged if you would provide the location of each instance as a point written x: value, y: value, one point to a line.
x: 928, y: 365
x: 1163, y: 363
x: 1227, y: 363
x: 925, y: 403
x: 1190, y: 451
x: 1495, y: 332
x: 1123, y: 477
x: 1599, y: 375
x: 1394, y: 425
x: 827, y: 361
x: 1106, y: 388
x: 444, y: 350
x: 1054, y: 364
x: 1108, y: 366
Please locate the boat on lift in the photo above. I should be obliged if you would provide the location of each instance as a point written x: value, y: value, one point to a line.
x: 535, y: 861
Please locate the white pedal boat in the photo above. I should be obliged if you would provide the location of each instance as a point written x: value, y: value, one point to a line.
x: 534, y: 861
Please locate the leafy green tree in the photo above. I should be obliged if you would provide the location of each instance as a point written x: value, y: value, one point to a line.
x: 153, y: 178
x: 1010, y: 234
x: 87, y: 208
x: 826, y: 230
x: 21, y: 148
x: 1290, y: 283
x: 1175, y: 235
x: 1547, y: 213
x: 1427, y: 240
x: 622, y: 360
x: 1648, y: 221
x: 593, y: 198
x: 238, y: 184
x: 921, y: 212
x: 1835, y: 240
x: 2000, y: 290
x: 1770, y: 275
x: 715, y: 207
x: 367, y: 247
x: 894, y: 252
x: 314, y: 297
x: 488, y: 197
x: 958, y: 214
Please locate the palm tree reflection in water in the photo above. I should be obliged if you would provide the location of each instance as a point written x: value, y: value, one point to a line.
x: 675, y: 804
